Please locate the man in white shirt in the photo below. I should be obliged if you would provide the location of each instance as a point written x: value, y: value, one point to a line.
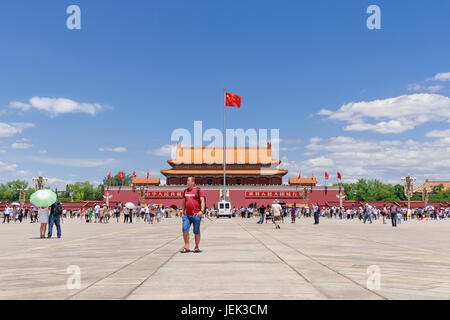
x: 97, y: 212
x: 147, y: 214
x: 276, y: 212
x: 6, y: 214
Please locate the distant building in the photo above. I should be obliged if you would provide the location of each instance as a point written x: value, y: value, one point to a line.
x: 143, y: 182
x: 430, y: 184
x: 244, y: 166
x: 303, y: 182
x: 252, y: 177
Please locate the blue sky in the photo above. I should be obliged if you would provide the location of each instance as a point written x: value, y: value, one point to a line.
x: 367, y: 103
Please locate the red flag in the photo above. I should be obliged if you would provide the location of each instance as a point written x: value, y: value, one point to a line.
x: 232, y: 100
x: 299, y: 175
x: 134, y: 174
x: 121, y: 176
x: 339, y: 176
x: 313, y: 175
x: 148, y: 174
x: 326, y: 175
x: 109, y: 175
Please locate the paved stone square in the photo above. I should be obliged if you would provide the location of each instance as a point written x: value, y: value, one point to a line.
x: 240, y: 260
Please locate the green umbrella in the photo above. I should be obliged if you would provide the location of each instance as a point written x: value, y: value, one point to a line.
x: 43, y: 198
x: 15, y: 204
x: 130, y: 205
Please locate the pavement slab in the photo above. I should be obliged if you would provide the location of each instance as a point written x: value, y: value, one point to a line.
x: 239, y: 260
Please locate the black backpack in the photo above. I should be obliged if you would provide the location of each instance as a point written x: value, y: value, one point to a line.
x: 58, y: 208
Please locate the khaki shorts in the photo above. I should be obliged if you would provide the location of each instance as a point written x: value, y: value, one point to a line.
x: 276, y: 218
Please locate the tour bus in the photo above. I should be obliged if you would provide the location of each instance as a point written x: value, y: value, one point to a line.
x: 224, y: 209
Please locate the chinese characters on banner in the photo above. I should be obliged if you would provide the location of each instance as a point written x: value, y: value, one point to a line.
x: 248, y: 194
x: 274, y: 194
x: 164, y: 195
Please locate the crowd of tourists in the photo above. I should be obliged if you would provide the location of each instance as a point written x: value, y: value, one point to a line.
x: 94, y: 214
x: 153, y: 213
x: 365, y: 214
x: 55, y: 215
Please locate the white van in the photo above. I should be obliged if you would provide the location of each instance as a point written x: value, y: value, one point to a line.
x: 224, y: 209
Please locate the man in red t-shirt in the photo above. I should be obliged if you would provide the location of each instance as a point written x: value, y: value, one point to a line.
x: 193, y: 209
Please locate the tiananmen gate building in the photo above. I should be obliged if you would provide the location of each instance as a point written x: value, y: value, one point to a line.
x: 251, y: 173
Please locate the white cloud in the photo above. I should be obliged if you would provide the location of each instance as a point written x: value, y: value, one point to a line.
x: 82, y: 163
x: 24, y: 173
x: 315, y: 139
x: 291, y: 141
x: 20, y: 145
x: 164, y: 151
x: 58, y: 180
x: 23, y: 140
x: 43, y: 151
x: 289, y: 148
x: 443, y: 135
x: 10, y: 129
x: 438, y: 134
x: 56, y: 106
x: 58, y: 183
x: 7, y: 167
x: 116, y: 149
x: 414, y: 87
x: 320, y: 162
x: 393, y: 115
x: 419, y: 87
x: 435, y: 88
x: 20, y: 105
x: 387, y: 160
x: 445, y: 76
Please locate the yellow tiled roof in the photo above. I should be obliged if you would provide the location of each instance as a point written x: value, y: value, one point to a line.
x: 302, y: 181
x: 430, y: 184
x: 214, y: 155
x: 220, y: 172
x: 145, y: 181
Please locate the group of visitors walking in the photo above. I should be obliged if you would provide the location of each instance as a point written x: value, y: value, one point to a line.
x: 366, y: 213
x: 152, y: 213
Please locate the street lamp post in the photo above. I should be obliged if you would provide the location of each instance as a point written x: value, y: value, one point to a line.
x: 425, y: 196
x: 39, y: 183
x: 409, y: 188
x: 306, y: 194
x: 22, y: 193
x: 142, y: 194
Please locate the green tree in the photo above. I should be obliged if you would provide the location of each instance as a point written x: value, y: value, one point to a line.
x: 399, y: 192
x: 10, y: 190
x: 372, y: 190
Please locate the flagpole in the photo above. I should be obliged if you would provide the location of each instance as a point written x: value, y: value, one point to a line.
x: 224, y: 143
